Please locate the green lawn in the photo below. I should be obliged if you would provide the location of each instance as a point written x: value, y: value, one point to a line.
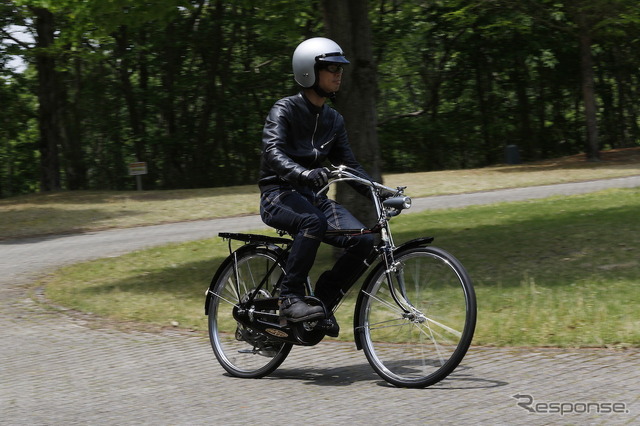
x: 556, y: 272
x: 82, y: 211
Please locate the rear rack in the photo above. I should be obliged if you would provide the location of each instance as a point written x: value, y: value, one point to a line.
x: 254, y: 238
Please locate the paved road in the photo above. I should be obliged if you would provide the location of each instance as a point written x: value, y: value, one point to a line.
x: 61, y: 369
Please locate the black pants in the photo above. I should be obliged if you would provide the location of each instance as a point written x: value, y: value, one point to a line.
x: 307, y: 219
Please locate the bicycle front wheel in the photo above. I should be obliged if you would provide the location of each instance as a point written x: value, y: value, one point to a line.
x: 418, y: 336
x: 242, y: 351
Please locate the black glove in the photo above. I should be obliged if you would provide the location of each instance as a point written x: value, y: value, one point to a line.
x: 316, y: 178
x: 385, y: 193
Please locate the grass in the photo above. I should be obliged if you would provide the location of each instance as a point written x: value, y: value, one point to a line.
x: 82, y: 211
x: 559, y: 272
x: 556, y: 272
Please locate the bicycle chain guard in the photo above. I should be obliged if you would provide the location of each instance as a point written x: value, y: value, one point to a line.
x: 261, y: 316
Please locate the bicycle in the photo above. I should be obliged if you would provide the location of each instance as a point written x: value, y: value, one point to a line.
x: 414, y: 315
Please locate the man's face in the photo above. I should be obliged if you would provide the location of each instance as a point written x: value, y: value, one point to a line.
x: 330, y: 77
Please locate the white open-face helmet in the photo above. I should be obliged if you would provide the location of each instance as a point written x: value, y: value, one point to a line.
x: 311, y: 53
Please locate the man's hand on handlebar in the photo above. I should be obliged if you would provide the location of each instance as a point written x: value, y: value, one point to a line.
x: 385, y: 193
x: 316, y: 178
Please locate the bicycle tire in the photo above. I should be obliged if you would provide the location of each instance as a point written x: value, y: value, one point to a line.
x: 423, y: 344
x: 241, y: 351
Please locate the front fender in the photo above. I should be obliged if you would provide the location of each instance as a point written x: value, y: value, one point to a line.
x: 357, y: 332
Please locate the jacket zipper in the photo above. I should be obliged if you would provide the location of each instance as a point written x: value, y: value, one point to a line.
x: 327, y: 142
x: 313, y: 136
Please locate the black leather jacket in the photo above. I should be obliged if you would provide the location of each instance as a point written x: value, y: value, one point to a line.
x: 299, y: 136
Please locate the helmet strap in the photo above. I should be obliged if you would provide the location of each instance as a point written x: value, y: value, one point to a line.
x: 323, y: 93
x: 316, y: 87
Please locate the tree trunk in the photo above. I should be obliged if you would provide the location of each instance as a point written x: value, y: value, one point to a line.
x: 483, y: 91
x: 74, y: 162
x: 211, y: 130
x: 121, y: 38
x: 171, y: 169
x: 50, y: 110
x: 588, y: 91
x: 520, y: 78
x: 625, y: 106
x: 348, y: 25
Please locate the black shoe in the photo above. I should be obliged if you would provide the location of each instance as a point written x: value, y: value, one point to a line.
x: 295, y: 309
x: 329, y: 326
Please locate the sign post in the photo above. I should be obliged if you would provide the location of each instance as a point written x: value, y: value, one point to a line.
x: 138, y: 169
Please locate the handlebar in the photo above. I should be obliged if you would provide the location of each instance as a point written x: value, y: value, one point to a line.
x: 341, y: 174
x: 394, y: 204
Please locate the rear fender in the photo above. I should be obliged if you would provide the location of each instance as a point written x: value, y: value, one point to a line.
x: 228, y: 261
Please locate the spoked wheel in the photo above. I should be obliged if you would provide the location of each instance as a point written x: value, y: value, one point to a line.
x: 423, y: 341
x: 241, y: 351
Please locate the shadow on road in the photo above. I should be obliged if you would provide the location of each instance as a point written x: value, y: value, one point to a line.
x: 461, y: 378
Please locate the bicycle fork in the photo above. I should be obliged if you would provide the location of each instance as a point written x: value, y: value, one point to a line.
x: 394, y: 269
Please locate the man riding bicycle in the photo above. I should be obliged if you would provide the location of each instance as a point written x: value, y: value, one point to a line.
x: 300, y: 134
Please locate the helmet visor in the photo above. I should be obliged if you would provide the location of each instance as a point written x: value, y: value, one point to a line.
x: 337, y: 57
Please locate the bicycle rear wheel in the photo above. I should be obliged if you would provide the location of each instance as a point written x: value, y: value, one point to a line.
x: 423, y: 343
x: 242, y: 351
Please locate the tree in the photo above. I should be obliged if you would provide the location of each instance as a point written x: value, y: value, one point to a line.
x: 587, y: 21
x: 348, y: 24
x: 50, y: 98
x: 18, y: 162
x: 186, y: 84
x: 62, y: 32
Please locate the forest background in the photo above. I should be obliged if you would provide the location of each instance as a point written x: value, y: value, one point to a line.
x: 185, y: 85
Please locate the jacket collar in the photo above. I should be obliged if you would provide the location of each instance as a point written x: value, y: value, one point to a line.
x: 313, y: 108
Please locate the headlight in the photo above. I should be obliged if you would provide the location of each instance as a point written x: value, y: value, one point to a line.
x: 407, y: 203
x: 398, y: 203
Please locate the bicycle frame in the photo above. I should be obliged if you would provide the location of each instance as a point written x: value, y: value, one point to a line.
x: 385, y: 250
x: 385, y: 209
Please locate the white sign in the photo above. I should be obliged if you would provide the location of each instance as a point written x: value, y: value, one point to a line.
x: 136, y: 169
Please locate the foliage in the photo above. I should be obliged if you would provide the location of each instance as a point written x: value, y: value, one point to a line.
x: 461, y: 79
x: 185, y: 85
